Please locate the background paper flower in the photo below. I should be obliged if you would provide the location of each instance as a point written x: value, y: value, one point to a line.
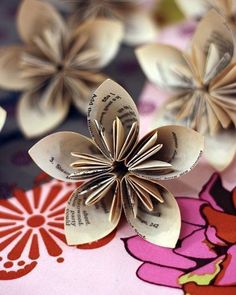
x: 205, y: 256
x: 106, y: 8
x: 199, y: 9
x: 56, y: 66
x: 203, y: 85
x: 136, y: 15
x: 123, y: 171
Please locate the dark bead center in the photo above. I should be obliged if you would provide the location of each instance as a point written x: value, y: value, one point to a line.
x: 60, y: 67
x: 120, y: 168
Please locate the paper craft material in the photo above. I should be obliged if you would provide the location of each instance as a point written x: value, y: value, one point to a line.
x: 203, y: 81
x: 57, y: 66
x: 122, y: 173
x: 3, y: 116
x: 111, y: 8
x: 135, y: 15
x: 198, y: 9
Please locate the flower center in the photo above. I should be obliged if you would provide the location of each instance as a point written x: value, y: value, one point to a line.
x: 60, y: 67
x: 100, y: 2
x: 205, y: 88
x: 36, y: 221
x: 120, y: 168
x: 231, y: 20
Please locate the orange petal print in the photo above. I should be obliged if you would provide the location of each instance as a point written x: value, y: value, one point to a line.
x: 234, y: 198
x: 225, y: 224
x: 12, y: 275
x: 100, y: 243
x: 42, y: 178
x: 194, y: 289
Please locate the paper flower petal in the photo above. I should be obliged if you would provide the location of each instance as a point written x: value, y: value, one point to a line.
x: 10, y: 71
x: 86, y: 224
x: 35, y: 121
x: 35, y: 17
x: 226, y: 7
x: 139, y: 28
x: 212, y: 30
x: 3, y: 115
x: 182, y: 148
x: 84, y: 88
x: 105, y: 36
x: 61, y: 5
x: 53, y: 153
x: 109, y: 101
x: 160, y: 226
x: 159, y: 63
x: 220, y: 149
x: 195, y: 10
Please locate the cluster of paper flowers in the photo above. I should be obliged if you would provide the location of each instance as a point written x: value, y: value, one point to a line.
x: 60, y: 64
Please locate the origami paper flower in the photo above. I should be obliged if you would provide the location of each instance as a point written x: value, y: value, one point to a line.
x: 3, y: 116
x: 56, y: 66
x: 204, y: 85
x: 205, y: 257
x: 107, y: 8
x: 198, y: 9
x: 122, y: 172
x: 134, y: 14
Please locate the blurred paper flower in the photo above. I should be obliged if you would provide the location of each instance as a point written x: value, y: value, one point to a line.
x: 3, y: 116
x: 106, y: 8
x: 205, y: 256
x: 121, y: 172
x: 136, y: 15
x: 198, y: 9
x: 204, y: 81
x: 56, y: 66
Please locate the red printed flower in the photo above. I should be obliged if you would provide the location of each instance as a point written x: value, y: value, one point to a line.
x: 32, y: 225
x: 204, y: 261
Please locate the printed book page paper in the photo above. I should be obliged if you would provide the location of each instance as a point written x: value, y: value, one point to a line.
x: 201, y: 83
x: 120, y: 170
x: 53, y: 153
x: 3, y: 116
x: 57, y: 65
x: 197, y: 9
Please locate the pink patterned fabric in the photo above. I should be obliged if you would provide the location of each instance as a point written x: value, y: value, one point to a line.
x: 205, y: 259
